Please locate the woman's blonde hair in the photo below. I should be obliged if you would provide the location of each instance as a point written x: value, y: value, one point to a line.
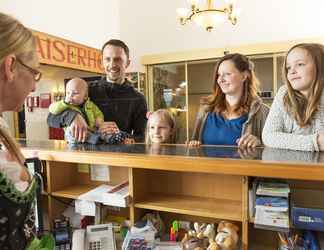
x: 216, y: 102
x: 11, y: 145
x: 165, y: 115
x: 16, y: 39
x: 303, y: 108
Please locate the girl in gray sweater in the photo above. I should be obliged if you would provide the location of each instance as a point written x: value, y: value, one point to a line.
x: 296, y: 117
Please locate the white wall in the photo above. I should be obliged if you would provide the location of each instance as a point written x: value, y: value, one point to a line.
x: 87, y: 22
x: 151, y: 27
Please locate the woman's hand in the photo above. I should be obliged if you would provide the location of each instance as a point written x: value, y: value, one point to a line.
x: 248, y: 152
x: 194, y: 143
x: 248, y: 140
x: 320, y: 141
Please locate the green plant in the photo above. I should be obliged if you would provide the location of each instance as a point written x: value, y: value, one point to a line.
x: 47, y: 242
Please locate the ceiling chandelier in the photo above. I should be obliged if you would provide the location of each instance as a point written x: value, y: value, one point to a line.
x: 208, y: 17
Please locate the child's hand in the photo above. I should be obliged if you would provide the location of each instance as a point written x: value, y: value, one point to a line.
x: 67, y: 99
x: 129, y: 141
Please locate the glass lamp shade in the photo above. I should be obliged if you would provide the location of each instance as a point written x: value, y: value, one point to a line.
x: 209, y: 18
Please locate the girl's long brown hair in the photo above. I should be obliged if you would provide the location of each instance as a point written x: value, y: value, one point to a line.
x: 303, y: 108
x: 216, y: 102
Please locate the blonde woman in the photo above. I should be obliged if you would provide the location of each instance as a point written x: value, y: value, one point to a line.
x: 296, y: 118
x: 18, y: 75
x: 233, y: 114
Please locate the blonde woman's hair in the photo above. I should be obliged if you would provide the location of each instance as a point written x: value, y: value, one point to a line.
x: 11, y: 145
x: 16, y: 39
x: 165, y: 115
x: 300, y: 107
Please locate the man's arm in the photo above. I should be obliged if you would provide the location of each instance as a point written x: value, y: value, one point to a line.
x: 61, y: 120
x: 71, y: 118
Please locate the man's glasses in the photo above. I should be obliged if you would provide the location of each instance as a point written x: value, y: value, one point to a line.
x: 37, y: 74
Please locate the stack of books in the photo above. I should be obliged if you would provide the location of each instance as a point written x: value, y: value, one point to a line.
x: 272, y: 205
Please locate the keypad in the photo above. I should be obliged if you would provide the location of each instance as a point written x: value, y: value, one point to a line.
x: 95, y: 245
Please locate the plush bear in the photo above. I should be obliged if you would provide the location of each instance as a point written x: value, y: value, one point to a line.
x: 213, y: 245
x: 227, y: 235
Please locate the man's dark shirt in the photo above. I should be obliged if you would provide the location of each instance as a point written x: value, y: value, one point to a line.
x: 120, y: 103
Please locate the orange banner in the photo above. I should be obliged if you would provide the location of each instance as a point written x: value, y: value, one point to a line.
x: 60, y: 52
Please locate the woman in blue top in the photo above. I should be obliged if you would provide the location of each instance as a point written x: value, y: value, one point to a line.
x: 234, y: 114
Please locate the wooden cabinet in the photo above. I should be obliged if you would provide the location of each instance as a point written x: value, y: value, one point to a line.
x: 207, y: 184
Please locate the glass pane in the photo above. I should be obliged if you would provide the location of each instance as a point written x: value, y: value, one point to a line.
x: 280, y: 61
x: 137, y: 80
x: 169, y: 88
x: 200, y: 84
x: 263, y: 68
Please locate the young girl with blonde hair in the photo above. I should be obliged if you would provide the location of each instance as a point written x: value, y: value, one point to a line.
x: 296, y: 118
x: 161, y: 127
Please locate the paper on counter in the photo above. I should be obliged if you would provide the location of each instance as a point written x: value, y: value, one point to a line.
x: 85, y: 208
x: 101, y: 195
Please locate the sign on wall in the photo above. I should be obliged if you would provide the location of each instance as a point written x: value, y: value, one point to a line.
x: 60, y: 52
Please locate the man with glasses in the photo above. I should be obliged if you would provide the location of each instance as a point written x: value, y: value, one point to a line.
x: 124, y: 108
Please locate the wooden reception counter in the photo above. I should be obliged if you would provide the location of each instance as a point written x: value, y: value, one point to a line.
x: 207, y: 184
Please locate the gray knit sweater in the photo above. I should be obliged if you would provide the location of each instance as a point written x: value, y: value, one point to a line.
x: 282, y: 131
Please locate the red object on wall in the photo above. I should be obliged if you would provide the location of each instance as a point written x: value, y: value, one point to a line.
x: 36, y: 101
x: 45, y: 100
x: 56, y: 133
x: 30, y: 103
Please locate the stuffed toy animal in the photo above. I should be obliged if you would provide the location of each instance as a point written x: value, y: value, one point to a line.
x: 213, y: 245
x: 198, y: 238
x: 192, y: 244
x: 209, y: 231
x: 227, y: 235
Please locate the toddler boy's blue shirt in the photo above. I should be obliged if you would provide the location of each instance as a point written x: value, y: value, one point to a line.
x: 220, y: 131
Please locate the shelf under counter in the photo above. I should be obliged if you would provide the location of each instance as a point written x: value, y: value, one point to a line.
x: 192, y: 205
x: 73, y: 192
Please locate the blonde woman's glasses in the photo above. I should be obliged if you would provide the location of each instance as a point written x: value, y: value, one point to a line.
x: 37, y: 74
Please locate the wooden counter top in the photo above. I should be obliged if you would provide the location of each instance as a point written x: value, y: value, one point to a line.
x: 264, y: 162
